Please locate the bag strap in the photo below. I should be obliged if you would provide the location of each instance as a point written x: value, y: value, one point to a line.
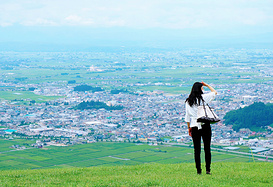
x: 209, y: 108
x: 204, y: 107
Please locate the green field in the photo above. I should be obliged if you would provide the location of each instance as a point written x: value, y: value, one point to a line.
x: 101, y: 154
x: 123, y: 68
x: 20, y: 97
x: 6, y: 144
x: 175, y: 77
x: 183, y: 174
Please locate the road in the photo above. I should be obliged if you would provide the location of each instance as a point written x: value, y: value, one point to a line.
x: 229, y: 151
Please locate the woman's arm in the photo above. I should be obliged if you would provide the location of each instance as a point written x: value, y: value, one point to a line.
x: 188, y: 123
x: 211, y: 88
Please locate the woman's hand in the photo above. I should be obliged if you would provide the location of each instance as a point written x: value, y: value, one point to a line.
x: 204, y: 84
x: 211, y: 88
x: 190, y: 130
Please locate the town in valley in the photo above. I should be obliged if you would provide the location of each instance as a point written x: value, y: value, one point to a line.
x: 39, y: 100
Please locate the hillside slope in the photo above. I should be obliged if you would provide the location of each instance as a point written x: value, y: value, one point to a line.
x: 254, y: 117
x: 223, y: 174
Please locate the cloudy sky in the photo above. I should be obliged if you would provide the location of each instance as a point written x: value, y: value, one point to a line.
x: 71, y: 21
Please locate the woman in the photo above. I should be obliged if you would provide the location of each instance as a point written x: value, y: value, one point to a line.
x: 196, y: 129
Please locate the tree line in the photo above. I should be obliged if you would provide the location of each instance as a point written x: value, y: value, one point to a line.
x: 83, y: 88
x: 255, y: 116
x: 96, y: 105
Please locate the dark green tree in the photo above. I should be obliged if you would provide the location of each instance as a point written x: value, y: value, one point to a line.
x: 255, y: 116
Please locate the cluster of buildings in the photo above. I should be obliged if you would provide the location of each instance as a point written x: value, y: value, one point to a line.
x: 146, y: 116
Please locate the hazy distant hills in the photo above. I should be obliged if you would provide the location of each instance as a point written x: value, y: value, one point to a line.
x: 87, y: 40
x: 119, y: 46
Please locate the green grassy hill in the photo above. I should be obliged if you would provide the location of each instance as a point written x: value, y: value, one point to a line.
x: 223, y: 174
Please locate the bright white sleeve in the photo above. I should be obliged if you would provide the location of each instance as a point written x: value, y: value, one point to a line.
x: 209, y: 97
x: 187, y: 116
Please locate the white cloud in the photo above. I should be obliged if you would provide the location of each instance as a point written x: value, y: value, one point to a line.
x: 73, y: 18
x: 77, y: 20
x: 39, y: 22
x: 5, y: 24
x: 177, y: 14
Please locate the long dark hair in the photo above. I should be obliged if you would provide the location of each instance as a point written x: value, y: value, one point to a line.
x: 196, y: 94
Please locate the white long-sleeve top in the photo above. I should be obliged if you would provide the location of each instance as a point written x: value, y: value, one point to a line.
x: 191, y: 111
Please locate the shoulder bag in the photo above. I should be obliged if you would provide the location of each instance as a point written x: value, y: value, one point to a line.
x: 206, y: 114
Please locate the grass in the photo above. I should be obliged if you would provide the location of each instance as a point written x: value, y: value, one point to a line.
x: 223, y: 174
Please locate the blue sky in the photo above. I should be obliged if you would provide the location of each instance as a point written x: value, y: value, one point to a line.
x: 139, y: 21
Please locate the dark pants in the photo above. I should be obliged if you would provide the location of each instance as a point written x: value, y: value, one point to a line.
x: 205, y: 133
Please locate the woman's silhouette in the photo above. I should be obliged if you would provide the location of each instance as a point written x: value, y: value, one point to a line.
x: 198, y: 130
